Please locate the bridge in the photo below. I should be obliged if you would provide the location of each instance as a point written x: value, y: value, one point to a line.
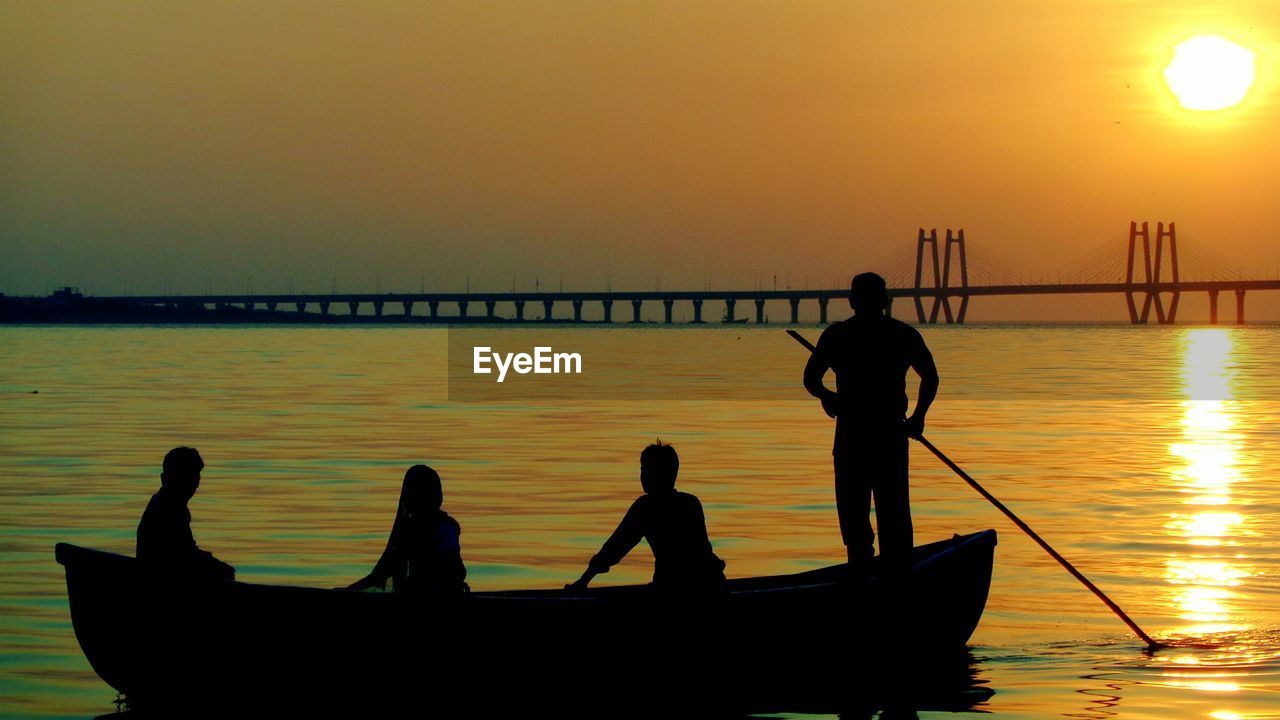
x: 1148, y: 276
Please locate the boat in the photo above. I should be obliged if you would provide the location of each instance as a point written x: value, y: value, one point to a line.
x: 160, y: 641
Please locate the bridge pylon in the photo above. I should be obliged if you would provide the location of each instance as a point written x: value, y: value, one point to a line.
x: 932, y: 241
x: 1134, y: 236
x: 1148, y: 272
x: 1166, y: 237
x: 956, y: 240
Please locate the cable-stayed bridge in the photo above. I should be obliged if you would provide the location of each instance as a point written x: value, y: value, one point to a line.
x: 1150, y: 272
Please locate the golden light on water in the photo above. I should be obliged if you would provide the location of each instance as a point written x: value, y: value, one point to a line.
x: 1206, y: 528
x: 1208, y: 374
x: 1203, y: 604
x: 1212, y: 573
x: 1206, y: 468
x: 1209, y: 469
x: 1207, y: 685
x: 1209, y: 72
x: 1206, y: 575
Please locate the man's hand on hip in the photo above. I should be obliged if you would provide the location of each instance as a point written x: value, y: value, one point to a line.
x: 914, y: 426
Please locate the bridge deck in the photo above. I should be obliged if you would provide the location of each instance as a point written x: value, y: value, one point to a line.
x: 705, y: 295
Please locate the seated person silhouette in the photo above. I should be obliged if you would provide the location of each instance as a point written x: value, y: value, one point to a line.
x: 423, y: 555
x: 675, y: 527
x: 165, y: 543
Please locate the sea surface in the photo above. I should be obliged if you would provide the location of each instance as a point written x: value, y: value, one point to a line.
x: 1148, y: 456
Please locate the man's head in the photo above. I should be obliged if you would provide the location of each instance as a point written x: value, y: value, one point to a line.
x: 867, y: 294
x: 181, y: 471
x: 659, y: 466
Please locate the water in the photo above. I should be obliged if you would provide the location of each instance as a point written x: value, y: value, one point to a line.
x: 1145, y: 455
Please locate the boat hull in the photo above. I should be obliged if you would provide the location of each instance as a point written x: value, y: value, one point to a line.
x: 162, y: 642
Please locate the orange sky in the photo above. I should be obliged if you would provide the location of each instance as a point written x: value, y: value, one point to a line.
x: 196, y: 146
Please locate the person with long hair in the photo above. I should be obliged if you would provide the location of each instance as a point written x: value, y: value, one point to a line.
x: 423, y: 554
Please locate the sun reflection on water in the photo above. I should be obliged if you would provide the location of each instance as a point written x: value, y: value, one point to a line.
x: 1207, y: 576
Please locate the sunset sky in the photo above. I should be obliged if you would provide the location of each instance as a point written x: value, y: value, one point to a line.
x: 224, y: 146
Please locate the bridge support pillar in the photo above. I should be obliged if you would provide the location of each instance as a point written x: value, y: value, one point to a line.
x: 548, y: 309
x: 888, y: 307
x: 301, y: 306
x: 955, y: 240
x: 795, y: 310
x: 635, y: 310
x: 324, y: 308
x: 1143, y: 273
x: 377, y: 308
x: 1240, y: 307
x: 728, y: 309
x: 462, y: 308
x: 577, y: 311
x: 1166, y: 237
x: 759, y: 311
x: 608, y: 311
x: 1213, y: 307
x: 1133, y: 309
x: 489, y: 306
x: 932, y: 241
x: 520, y: 310
x: 249, y: 306
x: 666, y: 310
x: 822, y: 310
x: 697, y: 311
x: 1134, y: 236
x: 408, y: 307
x: 355, y: 308
x: 271, y: 307
x: 434, y: 306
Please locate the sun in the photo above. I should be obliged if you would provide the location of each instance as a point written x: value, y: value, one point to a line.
x: 1209, y: 72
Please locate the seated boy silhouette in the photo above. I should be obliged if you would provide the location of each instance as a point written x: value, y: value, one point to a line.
x: 165, y: 543
x: 674, y: 525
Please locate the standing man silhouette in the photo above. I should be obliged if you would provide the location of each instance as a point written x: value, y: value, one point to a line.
x: 870, y: 354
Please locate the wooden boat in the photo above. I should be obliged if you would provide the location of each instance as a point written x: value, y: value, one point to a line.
x: 161, y: 641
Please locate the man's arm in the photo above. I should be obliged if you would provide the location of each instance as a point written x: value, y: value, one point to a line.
x: 213, y: 567
x: 928, y: 372
x: 165, y: 541
x: 814, y: 371
x: 390, y: 563
x: 209, y: 565
x: 623, y: 539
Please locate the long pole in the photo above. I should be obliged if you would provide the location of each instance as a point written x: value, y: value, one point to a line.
x: 1151, y: 644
